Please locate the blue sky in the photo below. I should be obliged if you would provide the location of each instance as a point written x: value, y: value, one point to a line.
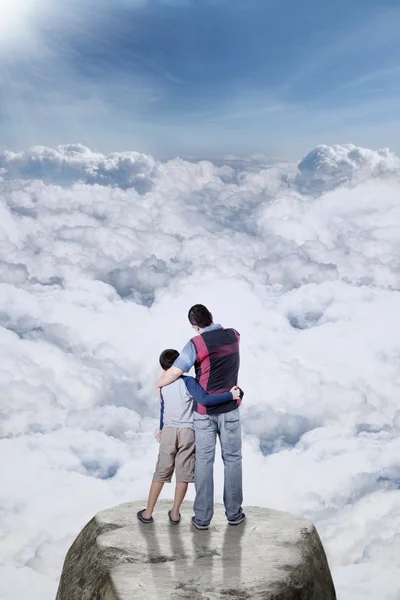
x: 201, y: 78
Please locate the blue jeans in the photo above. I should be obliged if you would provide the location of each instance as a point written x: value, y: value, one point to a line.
x: 206, y: 429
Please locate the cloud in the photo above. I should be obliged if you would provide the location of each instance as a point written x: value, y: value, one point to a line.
x: 73, y: 163
x: 101, y: 257
x: 327, y: 167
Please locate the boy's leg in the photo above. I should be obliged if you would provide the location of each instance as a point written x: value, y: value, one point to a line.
x: 184, y: 468
x: 155, y: 491
x: 164, y: 468
x: 180, y: 493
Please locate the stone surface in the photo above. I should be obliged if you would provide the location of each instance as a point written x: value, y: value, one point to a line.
x: 271, y: 556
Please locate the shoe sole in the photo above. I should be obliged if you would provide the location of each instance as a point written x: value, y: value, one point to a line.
x: 236, y: 523
x: 199, y: 527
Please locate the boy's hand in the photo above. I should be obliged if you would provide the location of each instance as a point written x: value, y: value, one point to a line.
x: 235, y: 391
x: 158, y: 436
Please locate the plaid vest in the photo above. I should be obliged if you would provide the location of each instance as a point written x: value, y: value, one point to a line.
x: 217, y: 366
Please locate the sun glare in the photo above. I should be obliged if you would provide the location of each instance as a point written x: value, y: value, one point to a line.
x: 18, y: 20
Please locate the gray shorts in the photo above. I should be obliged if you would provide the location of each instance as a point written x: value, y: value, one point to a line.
x: 177, y: 453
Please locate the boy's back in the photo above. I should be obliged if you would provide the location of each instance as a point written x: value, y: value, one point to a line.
x: 178, y: 405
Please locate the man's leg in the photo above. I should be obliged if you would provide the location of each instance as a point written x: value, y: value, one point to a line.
x: 205, y: 429
x: 155, y: 491
x: 231, y: 450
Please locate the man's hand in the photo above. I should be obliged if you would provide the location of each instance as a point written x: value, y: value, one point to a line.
x: 158, y: 436
x: 235, y: 391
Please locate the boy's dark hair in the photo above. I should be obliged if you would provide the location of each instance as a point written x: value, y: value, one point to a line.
x: 200, y: 316
x: 168, y: 357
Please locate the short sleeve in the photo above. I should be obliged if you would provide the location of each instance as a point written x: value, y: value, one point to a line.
x: 187, y: 358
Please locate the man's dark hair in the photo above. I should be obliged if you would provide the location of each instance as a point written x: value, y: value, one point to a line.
x: 167, y: 358
x: 200, y: 316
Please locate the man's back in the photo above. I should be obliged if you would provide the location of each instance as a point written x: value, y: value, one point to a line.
x: 217, y: 365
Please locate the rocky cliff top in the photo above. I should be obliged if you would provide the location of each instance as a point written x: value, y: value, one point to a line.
x: 272, y: 556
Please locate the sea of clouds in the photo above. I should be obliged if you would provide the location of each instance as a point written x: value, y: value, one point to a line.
x: 100, y: 259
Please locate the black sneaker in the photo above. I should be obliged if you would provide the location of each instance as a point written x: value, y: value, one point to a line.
x: 238, y: 521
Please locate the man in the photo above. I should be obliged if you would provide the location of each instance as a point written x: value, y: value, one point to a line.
x: 214, y: 353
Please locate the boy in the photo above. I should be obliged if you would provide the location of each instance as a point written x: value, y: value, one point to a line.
x: 176, y: 436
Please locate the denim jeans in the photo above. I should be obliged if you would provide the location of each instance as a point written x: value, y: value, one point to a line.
x: 206, y: 429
